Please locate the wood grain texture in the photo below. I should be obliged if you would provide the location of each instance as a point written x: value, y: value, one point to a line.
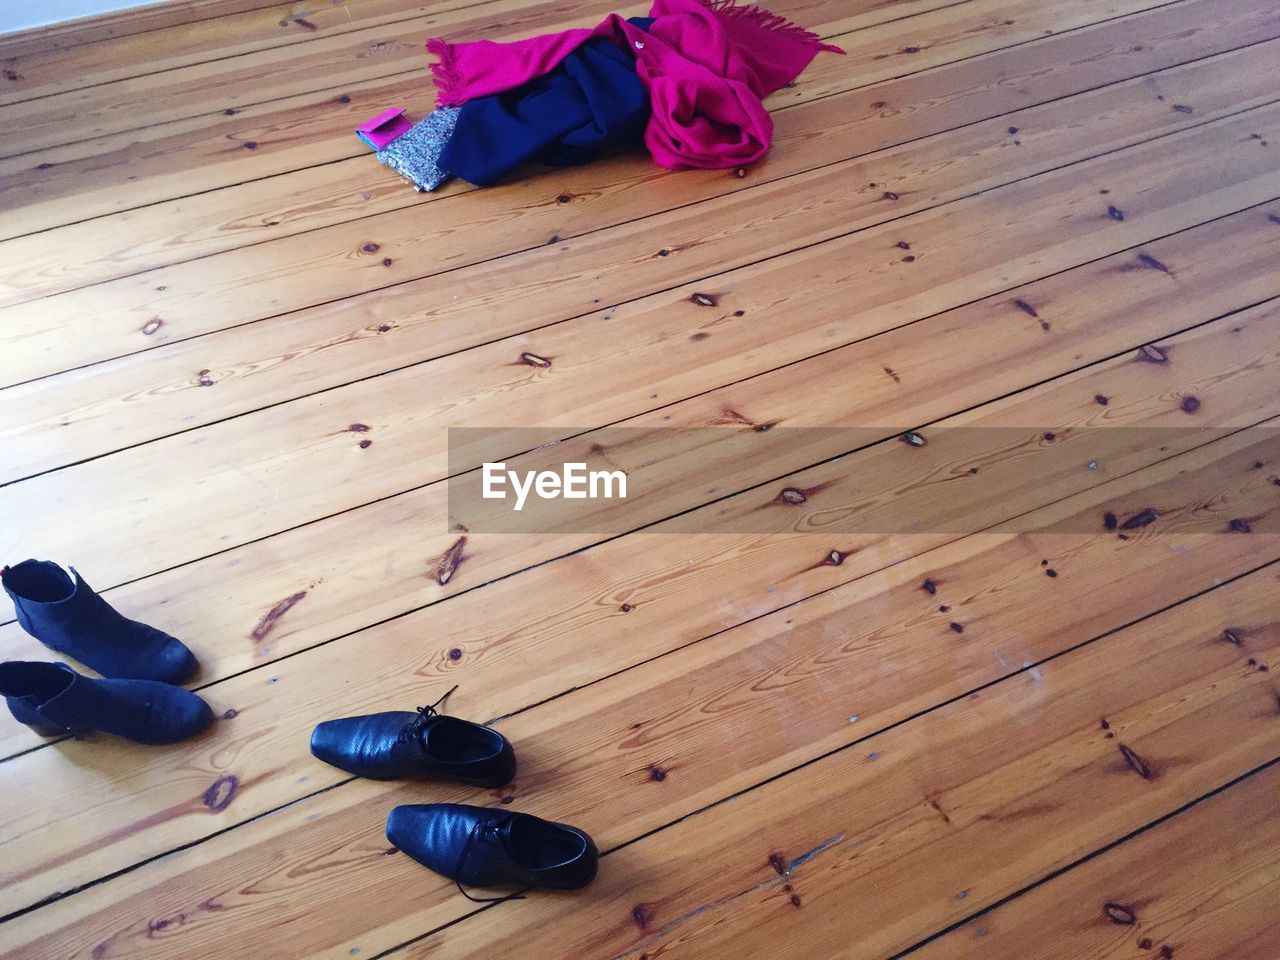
x: 814, y: 690
x: 877, y: 648
x: 1194, y: 890
x: 327, y: 558
x: 217, y: 29
x: 230, y: 475
x: 283, y: 132
x: 253, y: 755
x: 232, y: 147
x: 920, y: 825
x: 924, y: 102
x: 329, y: 62
x: 141, y: 397
x: 68, y: 34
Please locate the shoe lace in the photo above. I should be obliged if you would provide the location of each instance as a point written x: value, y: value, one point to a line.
x: 414, y: 727
x: 485, y: 830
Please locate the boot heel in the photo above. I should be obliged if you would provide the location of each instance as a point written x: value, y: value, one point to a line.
x: 25, y: 714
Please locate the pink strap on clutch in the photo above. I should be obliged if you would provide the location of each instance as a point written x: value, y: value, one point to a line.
x: 383, y: 129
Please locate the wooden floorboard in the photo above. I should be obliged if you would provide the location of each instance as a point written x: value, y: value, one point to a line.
x: 128, y: 22
x: 320, y: 556
x: 1184, y: 888
x: 919, y: 825
x: 372, y: 53
x: 317, y: 555
x: 285, y: 720
x: 799, y: 673
x: 974, y: 247
x: 936, y: 98
x: 594, y: 765
x: 232, y: 347
x: 215, y: 30
x: 130, y: 401
x: 303, y: 131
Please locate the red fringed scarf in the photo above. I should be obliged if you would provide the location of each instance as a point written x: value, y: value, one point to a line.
x: 707, y: 66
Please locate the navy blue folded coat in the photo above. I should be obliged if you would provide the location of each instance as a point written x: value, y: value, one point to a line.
x: 593, y: 100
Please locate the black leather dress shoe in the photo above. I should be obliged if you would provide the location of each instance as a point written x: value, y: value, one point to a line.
x: 480, y: 846
x: 385, y: 746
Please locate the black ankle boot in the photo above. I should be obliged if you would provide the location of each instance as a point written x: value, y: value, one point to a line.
x: 54, y: 700
x: 67, y: 616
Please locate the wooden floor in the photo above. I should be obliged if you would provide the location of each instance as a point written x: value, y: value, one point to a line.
x: 231, y: 344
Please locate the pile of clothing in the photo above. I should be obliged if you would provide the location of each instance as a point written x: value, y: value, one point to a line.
x: 687, y: 82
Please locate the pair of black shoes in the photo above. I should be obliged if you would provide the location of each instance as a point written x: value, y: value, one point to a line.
x: 477, y: 846
x: 137, y: 699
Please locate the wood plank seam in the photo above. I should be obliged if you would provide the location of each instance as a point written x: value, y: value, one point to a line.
x: 452, y: 353
x: 33, y: 38
x: 1208, y: 891
x: 1024, y: 670
x: 780, y: 107
x: 786, y: 104
x: 728, y: 188
x: 123, y: 871
x: 249, y: 103
x: 993, y: 298
x: 1155, y: 39
x: 783, y: 478
x: 1089, y: 857
x: 283, y: 40
x: 985, y: 911
x: 649, y: 939
x: 1114, y: 480
x: 848, y: 748
x: 1082, y: 174
x: 679, y: 282
x: 418, y: 73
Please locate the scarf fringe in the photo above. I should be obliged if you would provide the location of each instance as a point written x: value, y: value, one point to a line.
x: 444, y: 72
x: 768, y: 20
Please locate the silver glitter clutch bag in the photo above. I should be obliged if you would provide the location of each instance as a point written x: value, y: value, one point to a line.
x: 416, y: 154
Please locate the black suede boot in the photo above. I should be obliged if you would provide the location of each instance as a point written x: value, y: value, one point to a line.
x: 67, y: 616
x: 54, y: 700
